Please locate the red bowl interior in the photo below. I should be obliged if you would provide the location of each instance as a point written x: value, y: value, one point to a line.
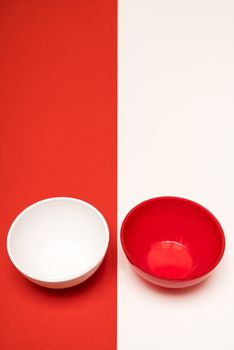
x: 172, y: 238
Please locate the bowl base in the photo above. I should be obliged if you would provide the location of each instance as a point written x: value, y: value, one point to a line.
x: 169, y: 259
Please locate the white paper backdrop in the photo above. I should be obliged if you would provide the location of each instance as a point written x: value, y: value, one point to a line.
x: 176, y: 137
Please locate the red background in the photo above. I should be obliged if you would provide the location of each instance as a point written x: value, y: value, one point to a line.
x: 58, y: 138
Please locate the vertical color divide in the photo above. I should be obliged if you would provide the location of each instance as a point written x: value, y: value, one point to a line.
x: 58, y: 137
x: 58, y: 129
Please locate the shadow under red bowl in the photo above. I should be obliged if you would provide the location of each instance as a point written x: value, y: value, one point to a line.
x: 172, y: 242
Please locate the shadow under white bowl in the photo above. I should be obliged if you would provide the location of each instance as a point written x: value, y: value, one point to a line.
x: 58, y: 242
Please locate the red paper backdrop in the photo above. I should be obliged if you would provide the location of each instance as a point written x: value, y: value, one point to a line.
x: 58, y: 138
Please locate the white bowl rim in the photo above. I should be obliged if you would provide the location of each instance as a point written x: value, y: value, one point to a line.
x: 71, y: 277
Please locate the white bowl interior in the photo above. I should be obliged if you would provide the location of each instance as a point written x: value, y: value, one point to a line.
x: 58, y: 239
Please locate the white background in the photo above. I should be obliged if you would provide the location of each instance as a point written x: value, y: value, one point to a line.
x: 176, y: 137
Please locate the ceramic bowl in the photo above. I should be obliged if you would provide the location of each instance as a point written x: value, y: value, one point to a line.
x: 172, y: 242
x: 58, y: 242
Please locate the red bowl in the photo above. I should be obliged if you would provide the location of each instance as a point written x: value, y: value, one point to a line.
x: 172, y: 242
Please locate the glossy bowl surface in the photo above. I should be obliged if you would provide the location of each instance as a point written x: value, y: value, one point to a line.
x: 58, y: 242
x: 172, y: 242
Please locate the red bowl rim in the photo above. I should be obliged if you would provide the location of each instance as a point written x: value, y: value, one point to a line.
x: 196, y: 276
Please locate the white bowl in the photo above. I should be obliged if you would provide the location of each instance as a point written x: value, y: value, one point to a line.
x: 58, y: 242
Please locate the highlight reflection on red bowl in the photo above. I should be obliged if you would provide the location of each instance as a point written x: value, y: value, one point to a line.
x: 172, y: 242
